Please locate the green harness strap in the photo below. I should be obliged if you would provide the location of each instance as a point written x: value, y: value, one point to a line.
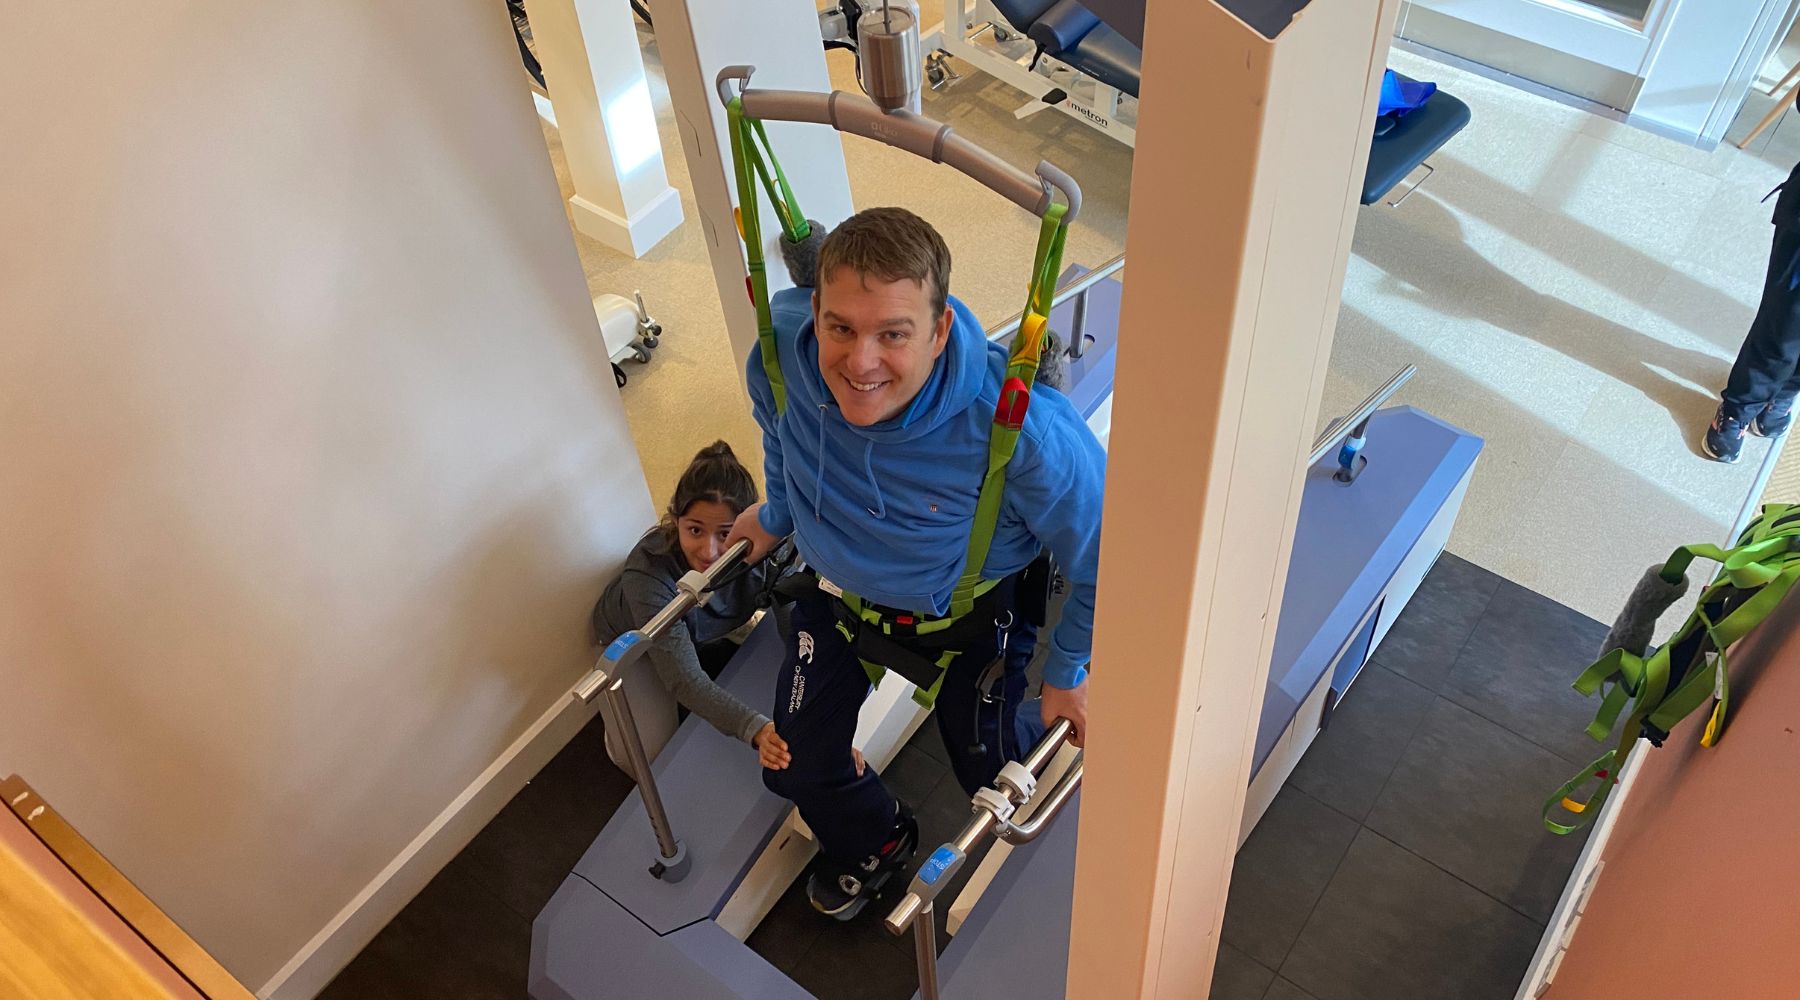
x: 1765, y: 565
x: 1015, y: 399
x: 755, y: 163
x: 748, y: 160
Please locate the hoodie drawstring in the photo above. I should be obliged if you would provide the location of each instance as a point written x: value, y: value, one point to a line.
x: 819, y: 481
x: 880, y: 508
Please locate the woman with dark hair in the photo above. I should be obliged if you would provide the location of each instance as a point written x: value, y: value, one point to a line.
x: 714, y: 490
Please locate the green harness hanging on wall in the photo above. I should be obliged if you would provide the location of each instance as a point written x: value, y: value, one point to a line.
x: 754, y: 161
x: 1666, y: 686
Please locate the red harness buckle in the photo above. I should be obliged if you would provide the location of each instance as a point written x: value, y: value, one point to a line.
x: 1015, y: 399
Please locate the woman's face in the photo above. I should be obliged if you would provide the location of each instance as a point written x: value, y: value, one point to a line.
x: 702, y: 529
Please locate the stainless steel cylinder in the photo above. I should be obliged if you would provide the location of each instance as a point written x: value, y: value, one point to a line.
x: 925, y: 953
x: 887, y: 47
x: 640, y: 768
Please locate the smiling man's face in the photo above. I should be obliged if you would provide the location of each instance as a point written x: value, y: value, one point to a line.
x: 878, y: 341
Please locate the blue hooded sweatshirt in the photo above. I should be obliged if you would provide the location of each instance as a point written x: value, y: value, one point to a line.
x: 884, y: 511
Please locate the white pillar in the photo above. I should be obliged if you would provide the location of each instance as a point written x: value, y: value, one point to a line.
x: 595, y: 74
x: 780, y: 38
x: 1238, y: 240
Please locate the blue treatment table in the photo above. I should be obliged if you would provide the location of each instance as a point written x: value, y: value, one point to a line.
x: 1355, y: 547
x: 1398, y: 149
x: 612, y: 932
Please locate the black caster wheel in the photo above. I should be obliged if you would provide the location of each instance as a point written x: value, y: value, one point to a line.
x: 651, y: 342
x: 641, y: 354
x: 619, y: 375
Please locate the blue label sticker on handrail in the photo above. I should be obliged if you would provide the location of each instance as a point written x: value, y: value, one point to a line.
x: 622, y: 645
x: 935, y: 866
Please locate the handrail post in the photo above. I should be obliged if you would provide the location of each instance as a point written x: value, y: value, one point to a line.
x: 992, y: 809
x: 1355, y: 424
x: 925, y: 952
x: 1078, y: 331
x: 607, y: 682
x: 672, y: 862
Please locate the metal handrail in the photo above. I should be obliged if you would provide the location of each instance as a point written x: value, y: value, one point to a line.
x: 1355, y: 423
x: 1077, y: 288
x: 607, y: 682
x: 1060, y: 794
x: 992, y: 809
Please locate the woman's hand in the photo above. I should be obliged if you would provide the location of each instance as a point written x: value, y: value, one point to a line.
x: 771, y: 748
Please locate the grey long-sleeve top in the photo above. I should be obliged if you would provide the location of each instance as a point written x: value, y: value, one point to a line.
x: 643, y: 587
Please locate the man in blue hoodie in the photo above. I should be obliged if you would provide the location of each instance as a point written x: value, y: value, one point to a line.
x: 874, y: 465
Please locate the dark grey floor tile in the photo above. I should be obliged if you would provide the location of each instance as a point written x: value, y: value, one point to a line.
x: 1283, y: 989
x: 856, y: 961
x: 1423, y: 642
x: 1281, y: 872
x: 1237, y: 976
x: 527, y: 850
x: 455, y: 939
x: 913, y: 774
x: 1393, y: 925
x: 1518, y: 667
x: 926, y: 738
x: 788, y: 932
x: 1468, y: 797
x: 1350, y: 761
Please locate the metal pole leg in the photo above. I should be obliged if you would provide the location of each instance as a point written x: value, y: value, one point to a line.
x: 672, y: 864
x: 925, y: 950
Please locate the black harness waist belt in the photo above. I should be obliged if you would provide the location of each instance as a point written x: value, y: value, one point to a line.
x: 920, y: 647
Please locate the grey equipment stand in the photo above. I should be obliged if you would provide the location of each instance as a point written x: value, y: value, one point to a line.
x: 607, y: 681
x: 993, y: 809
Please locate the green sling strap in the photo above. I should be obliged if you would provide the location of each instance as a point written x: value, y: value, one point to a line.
x: 748, y: 160
x: 755, y: 162
x: 1754, y: 576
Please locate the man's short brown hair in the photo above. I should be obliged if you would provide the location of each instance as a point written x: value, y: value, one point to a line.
x: 890, y: 244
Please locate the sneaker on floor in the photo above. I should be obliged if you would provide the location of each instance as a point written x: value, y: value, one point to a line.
x: 841, y: 890
x: 1724, y: 439
x: 1774, y: 419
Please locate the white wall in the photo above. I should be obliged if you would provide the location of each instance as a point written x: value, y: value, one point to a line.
x: 312, y: 457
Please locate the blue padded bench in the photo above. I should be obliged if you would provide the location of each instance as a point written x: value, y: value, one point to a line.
x: 1075, y: 35
x: 1359, y: 553
x: 1412, y: 139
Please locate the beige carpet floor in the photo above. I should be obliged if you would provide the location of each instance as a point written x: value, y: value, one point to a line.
x: 1572, y: 289
x: 1784, y: 480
